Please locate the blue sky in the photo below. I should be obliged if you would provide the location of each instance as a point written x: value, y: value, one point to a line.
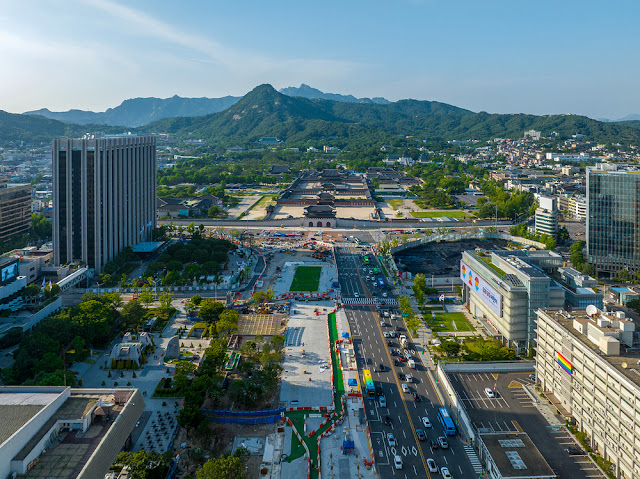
x: 497, y: 56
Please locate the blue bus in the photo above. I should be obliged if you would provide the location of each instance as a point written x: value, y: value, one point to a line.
x: 446, y: 421
x: 381, y: 283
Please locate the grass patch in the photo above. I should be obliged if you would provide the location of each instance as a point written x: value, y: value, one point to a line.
x: 487, y: 260
x: 263, y: 202
x: 394, y: 203
x: 306, y: 278
x: 444, y: 322
x: 438, y: 214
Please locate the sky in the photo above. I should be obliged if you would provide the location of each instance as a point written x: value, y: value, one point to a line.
x: 511, y: 56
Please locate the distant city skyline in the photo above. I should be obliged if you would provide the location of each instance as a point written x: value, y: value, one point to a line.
x: 500, y: 57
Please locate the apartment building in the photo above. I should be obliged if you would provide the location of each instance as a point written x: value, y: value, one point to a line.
x: 546, y: 219
x: 588, y: 364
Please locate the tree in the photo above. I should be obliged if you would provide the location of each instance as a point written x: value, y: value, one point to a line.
x: 132, y: 315
x: 227, y: 322
x: 165, y: 301
x: 196, y: 299
x: 146, y: 296
x: 143, y: 464
x: 563, y: 234
x: 229, y: 466
x: 450, y: 348
x: 210, y: 310
x: 31, y: 291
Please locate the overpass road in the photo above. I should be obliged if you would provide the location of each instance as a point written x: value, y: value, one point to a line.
x: 404, y: 410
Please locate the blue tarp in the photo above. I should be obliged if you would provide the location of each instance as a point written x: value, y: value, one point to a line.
x: 353, y: 382
x: 345, y: 335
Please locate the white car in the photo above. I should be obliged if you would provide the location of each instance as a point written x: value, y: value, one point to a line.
x: 431, y: 464
x: 408, y: 378
x: 356, y: 295
x: 489, y: 393
x: 397, y: 461
x: 405, y: 388
x: 384, y: 295
x: 385, y: 334
x: 426, y: 422
x: 391, y: 439
x: 445, y: 473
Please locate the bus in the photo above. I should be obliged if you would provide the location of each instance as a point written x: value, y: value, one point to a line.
x: 381, y: 283
x: 366, y: 260
x: 446, y: 421
x: 376, y: 271
x: 369, y: 387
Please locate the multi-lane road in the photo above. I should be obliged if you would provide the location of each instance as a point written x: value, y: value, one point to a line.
x: 404, y: 411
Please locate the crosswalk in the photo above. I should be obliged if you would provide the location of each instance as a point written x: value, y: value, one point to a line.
x: 361, y: 301
x: 473, y: 459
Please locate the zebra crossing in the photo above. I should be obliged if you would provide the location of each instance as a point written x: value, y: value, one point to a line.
x: 473, y: 459
x: 365, y: 301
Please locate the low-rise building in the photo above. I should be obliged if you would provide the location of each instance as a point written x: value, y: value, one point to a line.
x: 513, y: 455
x: 588, y: 364
x: 12, y: 285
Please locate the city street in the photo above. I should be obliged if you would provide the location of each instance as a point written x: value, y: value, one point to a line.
x: 405, y: 412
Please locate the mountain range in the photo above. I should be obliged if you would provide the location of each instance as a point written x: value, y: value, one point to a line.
x: 267, y: 112
x: 305, y: 91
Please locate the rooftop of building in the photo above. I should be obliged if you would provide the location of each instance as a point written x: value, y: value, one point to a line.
x: 626, y: 363
x: 515, y: 455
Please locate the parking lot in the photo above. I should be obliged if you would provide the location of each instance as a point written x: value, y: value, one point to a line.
x: 514, y: 409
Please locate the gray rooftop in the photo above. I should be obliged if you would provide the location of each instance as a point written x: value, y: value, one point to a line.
x: 503, y: 446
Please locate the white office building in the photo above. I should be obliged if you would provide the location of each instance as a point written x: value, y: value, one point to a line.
x: 547, y: 216
x: 588, y: 364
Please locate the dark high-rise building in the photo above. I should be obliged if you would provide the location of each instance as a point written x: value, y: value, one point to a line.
x: 104, y: 193
x: 613, y: 218
x: 15, y: 210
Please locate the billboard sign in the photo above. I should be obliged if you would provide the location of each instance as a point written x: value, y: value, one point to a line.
x: 9, y: 272
x: 479, y: 286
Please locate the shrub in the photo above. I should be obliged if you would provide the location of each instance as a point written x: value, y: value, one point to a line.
x: 120, y: 364
x: 104, y: 383
x: 113, y: 365
x: 127, y: 364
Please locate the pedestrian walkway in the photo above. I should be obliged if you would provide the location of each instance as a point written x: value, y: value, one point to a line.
x: 473, y: 459
x: 369, y: 301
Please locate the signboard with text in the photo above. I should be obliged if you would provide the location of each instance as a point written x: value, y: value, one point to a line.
x: 479, y: 286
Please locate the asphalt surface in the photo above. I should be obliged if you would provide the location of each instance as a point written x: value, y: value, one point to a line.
x: 371, y: 349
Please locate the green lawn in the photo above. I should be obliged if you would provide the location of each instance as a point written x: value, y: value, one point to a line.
x: 438, y: 214
x: 394, y: 203
x: 444, y: 322
x: 307, y: 278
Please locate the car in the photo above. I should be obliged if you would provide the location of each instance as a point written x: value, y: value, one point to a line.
x: 385, y: 334
x: 434, y: 444
x: 356, y: 295
x: 431, y: 464
x: 384, y: 295
x: 396, y: 362
x: 387, y: 420
x: 421, y: 435
x: 368, y: 278
x: 391, y: 439
x: 397, y: 461
x: 402, y: 358
x: 405, y: 388
x: 383, y: 324
x: 392, y: 334
x: 393, y: 351
x: 416, y: 397
x: 532, y: 377
x: 426, y: 422
x: 381, y: 366
x: 445, y: 473
x: 408, y: 378
x: 389, y: 343
x: 374, y: 294
x: 575, y: 451
x: 138, y: 424
x: 443, y: 442
x: 383, y: 401
x: 401, y: 376
x: 489, y: 393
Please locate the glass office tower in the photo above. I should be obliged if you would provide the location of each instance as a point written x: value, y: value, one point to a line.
x: 613, y: 219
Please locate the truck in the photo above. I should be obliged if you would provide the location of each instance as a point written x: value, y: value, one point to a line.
x: 411, y: 363
x: 403, y: 340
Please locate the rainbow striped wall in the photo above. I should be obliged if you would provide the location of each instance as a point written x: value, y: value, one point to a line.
x: 564, y: 363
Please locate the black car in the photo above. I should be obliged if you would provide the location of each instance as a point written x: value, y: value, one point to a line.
x: 434, y: 444
x: 401, y: 376
x: 389, y: 343
x: 416, y: 396
x: 421, y: 435
x: 396, y: 362
x: 381, y: 367
x: 387, y: 420
x: 575, y: 451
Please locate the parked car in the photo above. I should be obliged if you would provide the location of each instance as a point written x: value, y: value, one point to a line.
x: 575, y: 451
x: 443, y: 442
x: 489, y: 393
x: 391, y: 439
x: 431, y: 464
